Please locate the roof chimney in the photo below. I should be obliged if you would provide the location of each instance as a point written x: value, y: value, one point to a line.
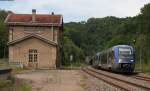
x: 33, y: 15
x: 52, y: 13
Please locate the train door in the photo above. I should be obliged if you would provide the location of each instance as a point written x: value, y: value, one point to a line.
x: 112, y: 61
x: 99, y: 62
x: 102, y: 60
x: 109, y: 59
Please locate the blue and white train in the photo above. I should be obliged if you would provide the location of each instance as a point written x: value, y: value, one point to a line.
x: 119, y: 58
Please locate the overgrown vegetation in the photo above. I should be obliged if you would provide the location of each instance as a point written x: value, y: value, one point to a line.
x: 25, y: 87
x: 69, y: 48
x: 14, y: 85
x: 3, y: 62
x: 3, y: 35
x: 4, y: 83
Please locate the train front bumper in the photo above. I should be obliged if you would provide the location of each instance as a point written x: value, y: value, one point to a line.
x: 124, y: 67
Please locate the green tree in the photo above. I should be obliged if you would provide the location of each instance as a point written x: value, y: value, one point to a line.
x: 3, y: 35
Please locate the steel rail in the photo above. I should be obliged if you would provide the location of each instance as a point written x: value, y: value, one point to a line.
x: 141, y: 78
x: 121, y: 80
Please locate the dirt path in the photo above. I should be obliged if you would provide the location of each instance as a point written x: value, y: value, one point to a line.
x: 54, y: 80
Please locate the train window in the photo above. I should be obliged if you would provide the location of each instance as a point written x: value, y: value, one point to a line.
x: 104, y: 58
x: 125, y: 52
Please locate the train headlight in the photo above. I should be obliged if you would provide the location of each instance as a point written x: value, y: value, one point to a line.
x: 131, y: 60
x: 120, y: 60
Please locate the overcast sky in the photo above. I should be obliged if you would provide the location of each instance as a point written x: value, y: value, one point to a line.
x: 77, y: 10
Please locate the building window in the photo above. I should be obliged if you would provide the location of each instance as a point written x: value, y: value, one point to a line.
x: 32, y: 55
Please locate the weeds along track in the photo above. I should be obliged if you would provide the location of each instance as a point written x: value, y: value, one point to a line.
x: 122, y: 82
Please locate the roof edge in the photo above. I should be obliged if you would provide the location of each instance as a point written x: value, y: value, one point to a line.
x: 5, y: 21
x: 61, y: 21
x: 33, y: 24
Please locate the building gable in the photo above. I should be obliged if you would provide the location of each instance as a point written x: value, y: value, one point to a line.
x: 32, y: 36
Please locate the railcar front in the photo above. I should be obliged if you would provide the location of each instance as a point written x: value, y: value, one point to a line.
x: 124, y: 59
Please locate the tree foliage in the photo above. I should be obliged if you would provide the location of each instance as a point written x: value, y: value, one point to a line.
x: 3, y: 35
x: 68, y: 49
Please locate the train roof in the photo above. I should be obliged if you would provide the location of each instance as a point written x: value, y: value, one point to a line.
x: 113, y: 48
x: 121, y: 46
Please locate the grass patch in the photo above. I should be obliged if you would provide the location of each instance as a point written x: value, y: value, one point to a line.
x: 73, y: 66
x: 145, y: 68
x: 25, y: 87
x: 5, y: 83
x: 83, y: 81
x: 14, y: 85
x: 18, y: 70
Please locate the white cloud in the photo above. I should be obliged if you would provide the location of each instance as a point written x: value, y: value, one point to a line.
x: 76, y: 10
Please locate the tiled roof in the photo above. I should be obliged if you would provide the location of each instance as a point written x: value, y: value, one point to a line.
x: 40, y: 18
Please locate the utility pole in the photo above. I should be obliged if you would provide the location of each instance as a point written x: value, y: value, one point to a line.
x: 71, y: 59
x: 141, y: 52
x: 140, y: 59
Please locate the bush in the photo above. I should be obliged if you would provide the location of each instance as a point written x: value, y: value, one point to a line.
x: 4, y: 83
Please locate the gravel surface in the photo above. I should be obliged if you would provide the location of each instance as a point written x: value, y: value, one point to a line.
x: 66, y: 80
x: 54, y: 80
x: 94, y: 84
x: 144, y: 75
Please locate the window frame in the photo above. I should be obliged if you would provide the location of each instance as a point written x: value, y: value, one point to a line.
x: 32, y: 55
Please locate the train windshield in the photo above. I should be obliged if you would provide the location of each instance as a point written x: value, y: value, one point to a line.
x: 125, y: 53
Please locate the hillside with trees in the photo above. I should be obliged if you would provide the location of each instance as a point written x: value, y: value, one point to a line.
x: 97, y: 34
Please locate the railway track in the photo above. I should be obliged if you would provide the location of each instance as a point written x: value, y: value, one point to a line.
x: 111, y: 79
x: 141, y: 78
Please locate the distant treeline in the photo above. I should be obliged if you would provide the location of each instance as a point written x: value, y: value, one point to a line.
x: 85, y: 38
x: 97, y: 34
